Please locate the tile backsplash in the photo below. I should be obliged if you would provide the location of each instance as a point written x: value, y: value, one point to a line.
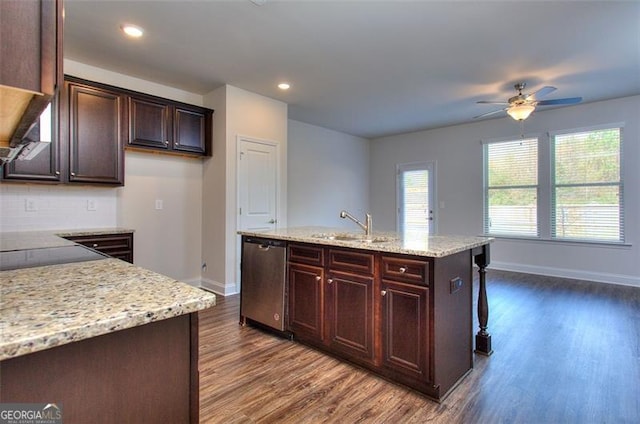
x: 25, y: 207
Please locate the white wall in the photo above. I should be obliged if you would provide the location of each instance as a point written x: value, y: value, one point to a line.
x: 254, y: 116
x: 167, y: 240
x: 458, y: 153
x: 56, y: 207
x: 328, y: 172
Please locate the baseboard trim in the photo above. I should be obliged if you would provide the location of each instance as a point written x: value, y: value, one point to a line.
x: 218, y: 287
x: 600, y: 277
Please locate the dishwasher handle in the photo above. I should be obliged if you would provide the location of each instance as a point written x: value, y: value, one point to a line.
x: 265, y: 244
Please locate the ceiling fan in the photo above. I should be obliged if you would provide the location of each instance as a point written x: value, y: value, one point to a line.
x: 519, y: 107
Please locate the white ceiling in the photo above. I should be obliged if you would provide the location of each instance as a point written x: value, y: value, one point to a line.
x: 369, y: 68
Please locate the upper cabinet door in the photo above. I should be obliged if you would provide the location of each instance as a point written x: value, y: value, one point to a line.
x: 191, y: 127
x: 149, y: 124
x: 96, y: 134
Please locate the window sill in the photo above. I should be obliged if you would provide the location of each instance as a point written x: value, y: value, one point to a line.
x: 585, y: 243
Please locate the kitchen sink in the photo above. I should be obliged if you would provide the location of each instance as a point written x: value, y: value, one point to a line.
x: 377, y: 240
x: 339, y: 237
x: 352, y: 237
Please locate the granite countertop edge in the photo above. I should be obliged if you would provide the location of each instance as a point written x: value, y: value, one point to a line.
x: 436, y: 246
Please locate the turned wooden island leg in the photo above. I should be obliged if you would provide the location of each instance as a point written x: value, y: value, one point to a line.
x: 483, y: 338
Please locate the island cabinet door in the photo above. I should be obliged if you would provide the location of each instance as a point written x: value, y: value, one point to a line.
x: 405, y: 331
x: 350, y: 316
x: 306, y: 300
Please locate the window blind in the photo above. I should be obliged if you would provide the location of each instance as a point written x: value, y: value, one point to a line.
x: 511, y: 188
x: 587, y: 194
x: 415, y: 201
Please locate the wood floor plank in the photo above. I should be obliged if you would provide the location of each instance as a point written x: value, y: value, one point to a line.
x: 566, y: 351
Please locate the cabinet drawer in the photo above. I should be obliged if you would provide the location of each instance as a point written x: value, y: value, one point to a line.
x: 407, y: 270
x: 350, y: 261
x: 116, y: 245
x: 305, y: 254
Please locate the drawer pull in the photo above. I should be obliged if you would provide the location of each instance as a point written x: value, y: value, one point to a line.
x: 330, y: 280
x: 383, y: 292
x: 95, y: 244
x: 402, y: 270
x: 318, y: 278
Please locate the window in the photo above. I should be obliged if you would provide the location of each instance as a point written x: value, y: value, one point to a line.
x: 511, y: 188
x: 415, y: 198
x: 587, y: 186
x: 567, y: 186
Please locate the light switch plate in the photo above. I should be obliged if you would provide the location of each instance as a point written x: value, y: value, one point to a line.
x: 91, y: 205
x: 159, y: 204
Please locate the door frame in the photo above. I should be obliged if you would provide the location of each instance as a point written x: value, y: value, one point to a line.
x: 279, y: 194
x: 278, y: 204
x: 430, y: 165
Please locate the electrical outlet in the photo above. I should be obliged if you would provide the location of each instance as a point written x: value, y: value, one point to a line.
x: 30, y: 205
x: 159, y: 204
x: 455, y: 284
x: 91, y: 205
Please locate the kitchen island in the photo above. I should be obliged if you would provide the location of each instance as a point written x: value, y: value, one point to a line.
x: 106, y: 340
x: 398, y: 306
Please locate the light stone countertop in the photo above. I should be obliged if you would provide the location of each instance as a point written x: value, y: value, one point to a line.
x: 435, y: 246
x: 47, y: 306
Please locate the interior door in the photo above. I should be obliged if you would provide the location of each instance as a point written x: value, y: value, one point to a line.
x: 257, y: 185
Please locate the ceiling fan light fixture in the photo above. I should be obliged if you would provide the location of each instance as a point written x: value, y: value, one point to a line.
x: 520, y: 112
x: 132, y: 31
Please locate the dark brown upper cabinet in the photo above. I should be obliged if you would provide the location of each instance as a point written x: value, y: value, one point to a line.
x: 167, y: 126
x: 96, y: 131
x: 30, y: 63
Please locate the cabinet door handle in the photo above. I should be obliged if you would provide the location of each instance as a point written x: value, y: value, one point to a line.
x: 318, y: 278
x: 330, y: 280
x: 57, y: 172
x: 383, y: 292
x: 402, y: 270
x: 73, y: 174
x: 95, y: 244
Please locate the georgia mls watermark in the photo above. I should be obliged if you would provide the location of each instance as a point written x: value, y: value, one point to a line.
x: 30, y: 413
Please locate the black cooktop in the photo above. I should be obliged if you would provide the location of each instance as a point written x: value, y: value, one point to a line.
x: 29, y: 258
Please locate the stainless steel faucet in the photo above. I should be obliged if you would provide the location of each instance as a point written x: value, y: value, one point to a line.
x: 366, y: 227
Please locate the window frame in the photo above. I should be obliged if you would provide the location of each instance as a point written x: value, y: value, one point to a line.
x: 546, y: 176
x: 486, y: 188
x: 553, y: 186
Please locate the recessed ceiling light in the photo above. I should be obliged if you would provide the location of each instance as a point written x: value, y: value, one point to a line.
x: 284, y: 86
x: 132, y: 30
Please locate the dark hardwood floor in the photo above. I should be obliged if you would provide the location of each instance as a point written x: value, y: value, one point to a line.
x: 566, y: 351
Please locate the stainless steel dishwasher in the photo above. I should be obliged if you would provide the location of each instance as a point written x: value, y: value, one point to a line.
x: 263, y: 278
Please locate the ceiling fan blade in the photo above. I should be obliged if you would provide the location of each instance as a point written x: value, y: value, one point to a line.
x: 491, y: 102
x: 489, y: 113
x: 567, y: 101
x: 540, y: 93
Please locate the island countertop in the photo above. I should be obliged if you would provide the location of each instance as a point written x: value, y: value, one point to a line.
x: 47, y: 306
x: 435, y: 246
